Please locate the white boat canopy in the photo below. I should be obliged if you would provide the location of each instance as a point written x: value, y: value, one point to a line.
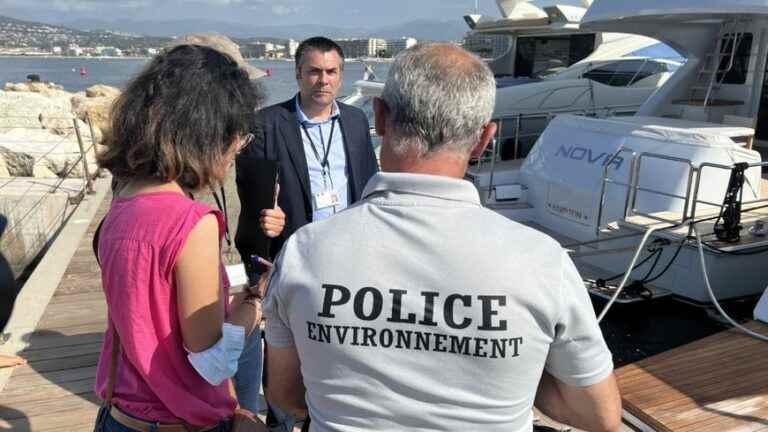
x: 521, y: 16
x: 633, y: 10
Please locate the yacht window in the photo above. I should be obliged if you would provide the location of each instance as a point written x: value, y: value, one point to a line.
x: 625, y: 72
x: 649, y: 68
x: 737, y: 72
x: 539, y: 56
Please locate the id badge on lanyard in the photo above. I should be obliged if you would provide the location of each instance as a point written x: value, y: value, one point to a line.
x: 327, y: 197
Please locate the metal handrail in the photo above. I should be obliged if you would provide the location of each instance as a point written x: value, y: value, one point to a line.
x: 495, y: 147
x: 737, y: 35
x: 691, y: 197
x: 537, y: 114
x: 519, y: 117
x: 631, y: 207
x: 696, y: 199
x: 606, y: 180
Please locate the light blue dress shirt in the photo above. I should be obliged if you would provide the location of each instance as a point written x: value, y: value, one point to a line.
x: 337, y: 176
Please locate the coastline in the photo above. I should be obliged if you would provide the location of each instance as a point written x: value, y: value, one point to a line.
x: 51, y: 56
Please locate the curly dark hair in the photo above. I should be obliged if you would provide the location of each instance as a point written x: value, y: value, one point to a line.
x: 178, y: 118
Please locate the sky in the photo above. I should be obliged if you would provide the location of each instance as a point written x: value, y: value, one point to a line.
x: 338, y: 13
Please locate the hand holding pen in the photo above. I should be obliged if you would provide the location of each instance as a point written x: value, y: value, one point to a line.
x: 260, y: 289
x: 272, y: 221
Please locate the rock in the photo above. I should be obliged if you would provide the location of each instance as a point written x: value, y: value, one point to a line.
x: 3, y: 169
x: 58, y: 124
x: 20, y: 87
x: 17, y: 164
x: 45, y: 88
x: 37, y: 128
x: 100, y: 90
x: 24, y: 109
x: 85, y: 133
x: 39, y: 153
x: 39, y: 87
x: 97, y: 108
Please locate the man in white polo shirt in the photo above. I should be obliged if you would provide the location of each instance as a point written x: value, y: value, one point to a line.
x: 417, y: 308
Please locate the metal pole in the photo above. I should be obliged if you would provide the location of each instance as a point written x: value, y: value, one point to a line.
x: 93, y: 139
x: 88, y: 182
x: 517, y: 136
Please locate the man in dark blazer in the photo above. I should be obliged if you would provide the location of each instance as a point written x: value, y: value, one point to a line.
x: 323, y: 149
x: 325, y: 157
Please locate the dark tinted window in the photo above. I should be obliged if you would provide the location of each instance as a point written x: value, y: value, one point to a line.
x: 736, y: 73
x: 538, y: 54
x: 624, y: 73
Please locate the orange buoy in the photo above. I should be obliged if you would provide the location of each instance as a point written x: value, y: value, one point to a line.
x: 83, y: 71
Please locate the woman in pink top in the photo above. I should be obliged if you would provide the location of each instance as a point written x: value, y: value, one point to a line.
x: 175, y: 130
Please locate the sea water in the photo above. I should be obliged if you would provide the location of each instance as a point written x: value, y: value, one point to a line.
x: 117, y: 71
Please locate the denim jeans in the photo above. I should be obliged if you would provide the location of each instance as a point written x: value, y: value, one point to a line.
x: 112, y: 425
x: 248, y: 376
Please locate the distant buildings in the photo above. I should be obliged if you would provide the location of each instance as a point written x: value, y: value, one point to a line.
x: 367, y: 47
x: 290, y: 48
x: 263, y: 50
x: 487, y: 46
x: 73, y: 50
x: 396, y: 46
x: 22, y: 43
x: 109, y: 51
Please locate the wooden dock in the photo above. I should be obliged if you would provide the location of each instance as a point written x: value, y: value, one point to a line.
x: 716, y: 384
x: 54, y: 391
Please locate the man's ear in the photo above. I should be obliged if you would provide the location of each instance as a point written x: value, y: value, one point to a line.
x: 381, y: 115
x: 489, y: 131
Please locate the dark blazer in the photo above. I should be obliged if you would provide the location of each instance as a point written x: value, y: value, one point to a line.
x: 278, y: 138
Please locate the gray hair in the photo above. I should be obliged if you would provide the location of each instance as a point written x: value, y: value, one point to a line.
x: 439, y: 97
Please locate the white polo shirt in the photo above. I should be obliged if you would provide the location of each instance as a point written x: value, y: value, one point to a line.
x: 418, y: 309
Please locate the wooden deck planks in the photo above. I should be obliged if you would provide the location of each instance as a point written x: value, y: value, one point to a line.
x: 54, y: 391
x: 718, y: 384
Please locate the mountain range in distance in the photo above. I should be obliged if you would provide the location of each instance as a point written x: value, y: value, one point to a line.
x: 419, y: 29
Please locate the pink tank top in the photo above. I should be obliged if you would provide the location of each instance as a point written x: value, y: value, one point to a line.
x: 139, y: 243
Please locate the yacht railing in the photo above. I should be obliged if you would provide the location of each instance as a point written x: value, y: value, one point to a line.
x: 492, y: 154
x: 630, y: 208
x: 691, y: 201
x: 696, y: 199
x: 607, y: 180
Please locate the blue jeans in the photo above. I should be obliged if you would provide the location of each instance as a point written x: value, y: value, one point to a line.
x: 112, y: 425
x: 248, y: 384
x: 248, y: 376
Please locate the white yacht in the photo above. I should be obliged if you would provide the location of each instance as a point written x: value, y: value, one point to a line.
x: 554, y: 66
x: 546, y: 35
x: 670, y: 201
